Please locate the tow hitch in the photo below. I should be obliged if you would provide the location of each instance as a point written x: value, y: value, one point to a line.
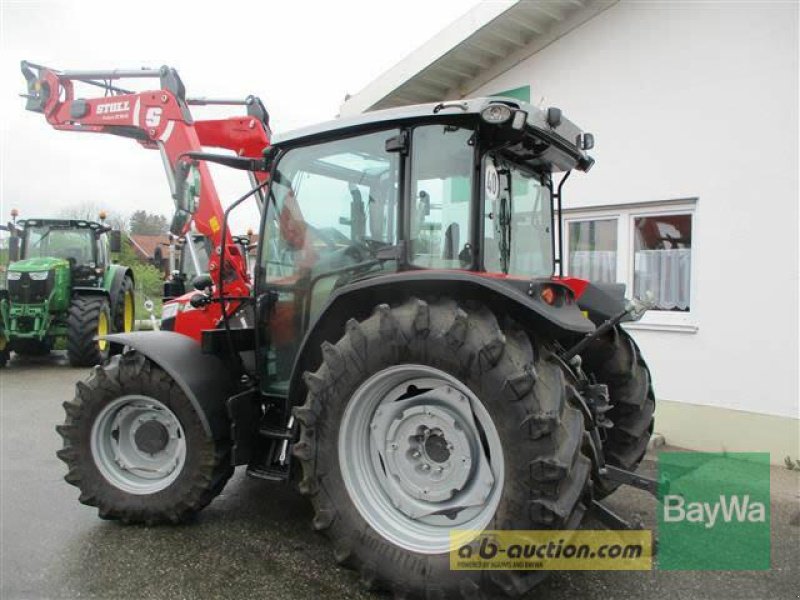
x: 596, y: 397
x: 611, y: 519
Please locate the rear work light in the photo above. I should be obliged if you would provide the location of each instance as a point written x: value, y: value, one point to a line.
x: 496, y: 114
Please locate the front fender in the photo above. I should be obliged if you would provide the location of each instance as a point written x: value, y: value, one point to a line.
x: 115, y: 277
x: 204, y: 378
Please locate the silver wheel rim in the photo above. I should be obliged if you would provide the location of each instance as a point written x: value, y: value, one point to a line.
x: 420, y: 456
x: 138, y: 444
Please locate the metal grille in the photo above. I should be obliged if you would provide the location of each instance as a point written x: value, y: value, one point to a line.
x: 27, y: 291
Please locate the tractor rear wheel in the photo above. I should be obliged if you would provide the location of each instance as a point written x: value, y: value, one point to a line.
x: 136, y: 447
x: 427, y: 417
x: 616, y: 361
x: 89, y: 317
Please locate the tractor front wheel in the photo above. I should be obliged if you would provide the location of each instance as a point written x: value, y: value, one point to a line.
x: 429, y: 417
x: 89, y: 317
x: 136, y: 447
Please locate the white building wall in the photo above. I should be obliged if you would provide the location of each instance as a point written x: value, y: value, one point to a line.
x: 698, y: 100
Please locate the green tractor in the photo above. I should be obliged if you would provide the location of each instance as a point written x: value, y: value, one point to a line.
x: 61, y: 284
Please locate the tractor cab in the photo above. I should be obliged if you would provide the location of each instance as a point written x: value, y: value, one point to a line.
x: 459, y: 192
x: 85, y: 247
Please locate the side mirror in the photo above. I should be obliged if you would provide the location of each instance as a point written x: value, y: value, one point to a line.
x: 158, y: 257
x: 202, y: 282
x: 13, y: 248
x: 115, y: 240
x: 179, y: 221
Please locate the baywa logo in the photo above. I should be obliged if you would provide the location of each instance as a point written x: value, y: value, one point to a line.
x: 728, y: 508
x: 714, y: 511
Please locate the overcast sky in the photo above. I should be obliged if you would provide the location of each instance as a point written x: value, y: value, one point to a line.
x: 301, y: 58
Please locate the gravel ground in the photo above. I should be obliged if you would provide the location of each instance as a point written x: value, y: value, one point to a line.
x: 255, y: 540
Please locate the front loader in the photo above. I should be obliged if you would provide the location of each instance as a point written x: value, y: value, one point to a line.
x: 61, y: 284
x: 160, y: 118
x: 410, y: 345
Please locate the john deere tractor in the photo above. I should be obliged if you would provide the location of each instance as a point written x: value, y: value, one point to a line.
x: 61, y: 284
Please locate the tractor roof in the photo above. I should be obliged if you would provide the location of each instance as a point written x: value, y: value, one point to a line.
x: 537, y: 120
x: 66, y: 223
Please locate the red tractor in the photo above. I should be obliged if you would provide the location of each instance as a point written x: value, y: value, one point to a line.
x: 405, y: 344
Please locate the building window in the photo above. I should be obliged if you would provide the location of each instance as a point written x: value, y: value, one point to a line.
x: 662, y: 259
x: 647, y: 247
x: 593, y: 250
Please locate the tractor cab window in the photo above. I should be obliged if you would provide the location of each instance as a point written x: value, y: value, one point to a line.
x: 517, y: 225
x: 74, y: 244
x: 441, y: 192
x: 333, y: 207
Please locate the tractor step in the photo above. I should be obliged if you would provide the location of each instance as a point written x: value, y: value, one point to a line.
x: 275, y: 433
x: 271, y: 473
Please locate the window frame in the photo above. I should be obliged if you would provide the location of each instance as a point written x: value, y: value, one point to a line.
x: 625, y: 214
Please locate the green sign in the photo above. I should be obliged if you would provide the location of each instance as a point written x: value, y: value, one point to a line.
x: 714, y: 511
x: 521, y: 93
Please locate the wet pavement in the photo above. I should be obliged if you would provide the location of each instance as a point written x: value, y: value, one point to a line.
x: 255, y: 540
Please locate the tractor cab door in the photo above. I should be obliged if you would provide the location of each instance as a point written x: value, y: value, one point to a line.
x: 332, y: 207
x: 103, y: 254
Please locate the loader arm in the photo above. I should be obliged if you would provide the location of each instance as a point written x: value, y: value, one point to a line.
x: 159, y: 119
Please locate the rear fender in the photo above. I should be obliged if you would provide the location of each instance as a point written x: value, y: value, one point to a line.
x: 505, y: 296
x: 603, y: 301
x: 204, y: 378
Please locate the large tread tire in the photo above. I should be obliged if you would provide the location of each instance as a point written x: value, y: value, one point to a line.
x: 118, y: 307
x: 616, y: 361
x: 206, y: 469
x: 522, y: 388
x: 83, y: 320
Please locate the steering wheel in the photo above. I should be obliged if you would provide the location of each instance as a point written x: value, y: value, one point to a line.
x: 358, y: 251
